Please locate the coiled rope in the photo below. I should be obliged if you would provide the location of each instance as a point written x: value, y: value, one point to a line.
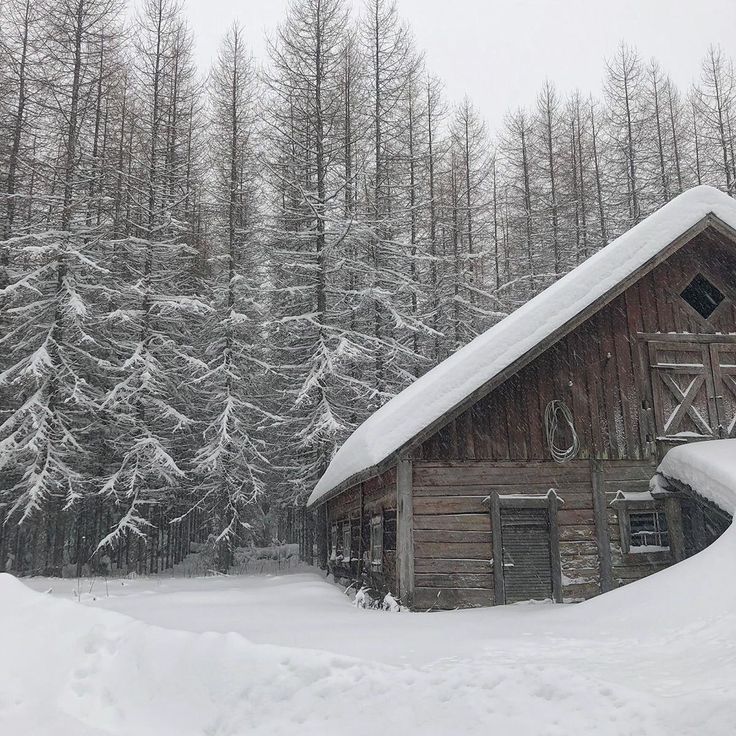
x: 557, y: 411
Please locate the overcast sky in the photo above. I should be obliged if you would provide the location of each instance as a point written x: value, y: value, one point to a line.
x: 500, y: 51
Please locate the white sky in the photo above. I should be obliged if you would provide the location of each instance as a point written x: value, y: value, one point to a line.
x: 500, y: 51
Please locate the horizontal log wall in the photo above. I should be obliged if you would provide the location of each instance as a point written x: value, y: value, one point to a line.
x: 596, y: 370
x: 453, y: 535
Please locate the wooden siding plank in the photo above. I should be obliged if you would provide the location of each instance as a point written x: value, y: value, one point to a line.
x: 449, y: 505
x: 455, y: 580
x: 627, y: 388
x: 453, y: 522
x: 577, y: 487
x: 451, y: 537
x: 451, y: 566
x: 580, y: 408
x: 449, y: 598
x: 450, y: 551
x: 530, y: 378
x: 453, y: 474
x: 611, y: 396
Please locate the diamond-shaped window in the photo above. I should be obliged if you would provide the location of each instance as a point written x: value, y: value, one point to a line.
x: 703, y: 296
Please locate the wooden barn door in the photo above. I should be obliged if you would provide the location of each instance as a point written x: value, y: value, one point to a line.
x: 723, y: 361
x: 527, y: 556
x: 683, y: 390
x: 694, y: 388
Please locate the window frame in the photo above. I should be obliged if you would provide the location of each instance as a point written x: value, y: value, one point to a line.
x: 699, y: 275
x: 376, y: 542
x: 625, y: 505
x: 675, y: 295
x: 346, y: 542
x: 657, y: 533
x: 334, y: 536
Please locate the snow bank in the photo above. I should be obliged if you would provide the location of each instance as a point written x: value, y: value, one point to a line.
x: 70, y: 670
x: 709, y: 468
x: 656, y: 658
x: 449, y: 383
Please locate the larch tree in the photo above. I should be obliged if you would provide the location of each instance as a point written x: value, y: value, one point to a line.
x: 468, y: 216
x: 229, y: 464
x: 309, y: 233
x: 547, y: 150
x: 157, y: 305
x: 714, y: 102
x: 392, y: 67
x: 55, y: 361
x: 625, y: 128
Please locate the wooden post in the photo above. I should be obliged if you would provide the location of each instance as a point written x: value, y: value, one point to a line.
x: 405, y: 531
x: 499, y: 588
x: 602, y: 536
x: 308, y: 537
x: 673, y: 511
x: 553, y: 502
x: 321, y: 531
x: 361, y: 545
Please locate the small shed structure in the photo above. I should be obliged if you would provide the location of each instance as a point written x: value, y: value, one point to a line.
x: 519, y: 468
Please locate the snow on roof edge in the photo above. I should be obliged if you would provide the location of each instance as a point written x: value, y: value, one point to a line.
x: 708, y: 467
x: 446, y: 385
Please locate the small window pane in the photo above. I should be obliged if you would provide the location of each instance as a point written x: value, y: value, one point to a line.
x: 376, y: 541
x: 333, y: 542
x: 703, y: 296
x: 648, y: 530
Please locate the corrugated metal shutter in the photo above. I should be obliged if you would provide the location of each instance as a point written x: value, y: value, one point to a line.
x: 527, y: 564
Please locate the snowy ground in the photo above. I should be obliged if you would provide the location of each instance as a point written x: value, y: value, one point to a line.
x: 272, y: 655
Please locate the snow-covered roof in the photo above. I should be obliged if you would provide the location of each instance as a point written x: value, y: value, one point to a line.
x: 446, y: 386
x: 709, y: 468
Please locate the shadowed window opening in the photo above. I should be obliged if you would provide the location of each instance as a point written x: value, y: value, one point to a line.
x: 702, y: 296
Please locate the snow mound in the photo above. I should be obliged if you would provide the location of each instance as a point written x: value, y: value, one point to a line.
x: 656, y: 658
x: 448, y: 384
x: 709, y: 468
x: 96, y: 672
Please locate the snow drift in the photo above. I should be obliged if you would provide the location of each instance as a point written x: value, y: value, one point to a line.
x: 709, y: 468
x: 657, y: 657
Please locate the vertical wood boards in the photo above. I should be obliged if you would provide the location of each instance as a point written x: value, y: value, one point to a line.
x: 610, y: 394
x: 405, y: 531
x: 602, y: 537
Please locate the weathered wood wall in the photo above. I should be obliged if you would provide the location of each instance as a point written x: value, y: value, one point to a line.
x: 453, y: 536
x: 357, y: 506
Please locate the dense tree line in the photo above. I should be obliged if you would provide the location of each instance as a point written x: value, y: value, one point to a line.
x: 208, y: 278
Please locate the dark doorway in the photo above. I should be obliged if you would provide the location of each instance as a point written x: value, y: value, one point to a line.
x: 527, y: 555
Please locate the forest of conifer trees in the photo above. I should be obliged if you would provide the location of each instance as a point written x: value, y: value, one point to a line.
x: 210, y: 277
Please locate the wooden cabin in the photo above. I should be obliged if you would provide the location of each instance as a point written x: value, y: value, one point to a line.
x: 520, y: 467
